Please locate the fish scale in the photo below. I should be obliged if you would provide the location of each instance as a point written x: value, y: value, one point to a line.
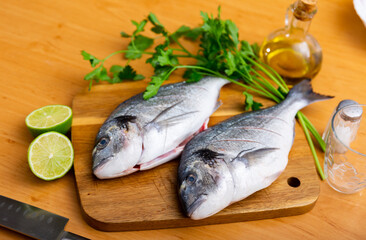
x: 249, y: 152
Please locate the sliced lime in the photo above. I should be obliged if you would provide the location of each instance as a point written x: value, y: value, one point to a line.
x: 49, y: 118
x: 50, y: 155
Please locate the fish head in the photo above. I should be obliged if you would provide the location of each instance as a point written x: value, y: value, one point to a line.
x: 205, y: 184
x: 118, y: 148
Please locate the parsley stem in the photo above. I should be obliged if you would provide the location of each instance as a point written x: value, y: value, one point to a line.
x: 217, y: 74
x: 271, y: 96
x: 186, y: 56
x: 243, y: 63
x: 90, y: 84
x: 268, y: 85
x: 276, y: 74
x: 178, y: 49
x: 311, y: 145
x: 125, y: 51
x: 266, y: 72
x: 243, y: 85
x: 314, y: 132
x: 180, y: 45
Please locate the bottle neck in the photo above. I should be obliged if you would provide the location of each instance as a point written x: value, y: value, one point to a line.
x: 299, y: 16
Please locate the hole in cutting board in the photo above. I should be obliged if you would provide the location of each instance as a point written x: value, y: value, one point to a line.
x: 293, y: 182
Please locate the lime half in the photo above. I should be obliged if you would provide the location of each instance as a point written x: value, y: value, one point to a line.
x: 49, y: 118
x: 50, y: 155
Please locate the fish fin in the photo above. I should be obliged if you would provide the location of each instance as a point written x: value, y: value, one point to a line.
x: 250, y: 157
x: 174, y: 119
x: 218, y: 104
x: 293, y: 135
x: 165, y: 111
x: 166, y: 157
x: 160, y: 121
x: 303, y: 92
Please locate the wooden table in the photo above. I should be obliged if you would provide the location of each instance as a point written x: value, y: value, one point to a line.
x: 40, y: 64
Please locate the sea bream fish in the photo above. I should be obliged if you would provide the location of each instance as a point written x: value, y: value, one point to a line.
x: 246, y: 153
x: 142, y: 134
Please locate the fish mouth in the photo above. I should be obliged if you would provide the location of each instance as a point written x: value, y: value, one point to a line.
x: 98, y: 170
x: 101, y: 163
x: 193, y: 207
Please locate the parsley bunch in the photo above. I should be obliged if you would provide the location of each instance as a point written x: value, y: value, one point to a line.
x: 221, y: 53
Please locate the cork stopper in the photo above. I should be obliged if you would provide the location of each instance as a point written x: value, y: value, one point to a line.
x: 304, y: 10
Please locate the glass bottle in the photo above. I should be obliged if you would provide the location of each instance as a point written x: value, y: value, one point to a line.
x: 292, y: 51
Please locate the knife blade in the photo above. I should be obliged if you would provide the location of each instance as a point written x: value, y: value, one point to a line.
x: 34, y: 222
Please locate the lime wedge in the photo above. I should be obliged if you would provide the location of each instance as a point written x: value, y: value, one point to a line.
x: 50, y: 155
x: 49, y: 118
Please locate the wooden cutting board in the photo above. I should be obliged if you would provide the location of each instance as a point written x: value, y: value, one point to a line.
x: 149, y: 200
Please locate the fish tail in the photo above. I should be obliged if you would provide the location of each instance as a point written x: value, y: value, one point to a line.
x: 302, y: 94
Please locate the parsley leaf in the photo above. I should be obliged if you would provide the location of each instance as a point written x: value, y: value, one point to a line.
x: 124, y: 73
x: 158, y: 27
x: 125, y: 35
x: 115, y: 69
x: 93, y: 60
x: 250, y: 103
x: 103, y: 75
x: 231, y: 64
x: 138, y: 46
x: 246, y: 48
x: 192, y: 75
x: 167, y: 58
x: 153, y: 87
x: 92, y: 75
x: 139, y: 26
x: 232, y: 31
x: 187, y: 32
x: 154, y: 60
x: 193, y: 34
x: 182, y: 31
x: 255, y: 48
x: 129, y: 73
x: 99, y: 73
x: 160, y: 75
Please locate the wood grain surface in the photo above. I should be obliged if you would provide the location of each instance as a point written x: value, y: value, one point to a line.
x: 40, y: 44
x: 149, y: 199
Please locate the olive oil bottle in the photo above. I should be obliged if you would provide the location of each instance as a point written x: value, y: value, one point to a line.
x: 292, y: 51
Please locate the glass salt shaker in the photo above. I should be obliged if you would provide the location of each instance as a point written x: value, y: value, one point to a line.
x: 347, y: 125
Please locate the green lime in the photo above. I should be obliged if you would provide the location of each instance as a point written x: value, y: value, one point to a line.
x: 49, y: 118
x: 50, y: 155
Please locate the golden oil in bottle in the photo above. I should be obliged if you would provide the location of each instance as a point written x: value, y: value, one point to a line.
x: 291, y: 51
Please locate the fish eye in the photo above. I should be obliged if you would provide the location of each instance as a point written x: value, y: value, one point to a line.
x: 103, y: 143
x: 191, y: 179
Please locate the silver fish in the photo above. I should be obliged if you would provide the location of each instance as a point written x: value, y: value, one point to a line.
x: 140, y: 134
x: 246, y: 153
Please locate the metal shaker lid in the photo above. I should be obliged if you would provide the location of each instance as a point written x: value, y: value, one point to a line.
x: 352, y: 113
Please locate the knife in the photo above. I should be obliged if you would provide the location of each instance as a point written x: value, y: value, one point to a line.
x: 34, y: 222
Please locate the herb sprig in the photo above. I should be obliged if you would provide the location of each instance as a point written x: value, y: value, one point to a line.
x: 221, y: 53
